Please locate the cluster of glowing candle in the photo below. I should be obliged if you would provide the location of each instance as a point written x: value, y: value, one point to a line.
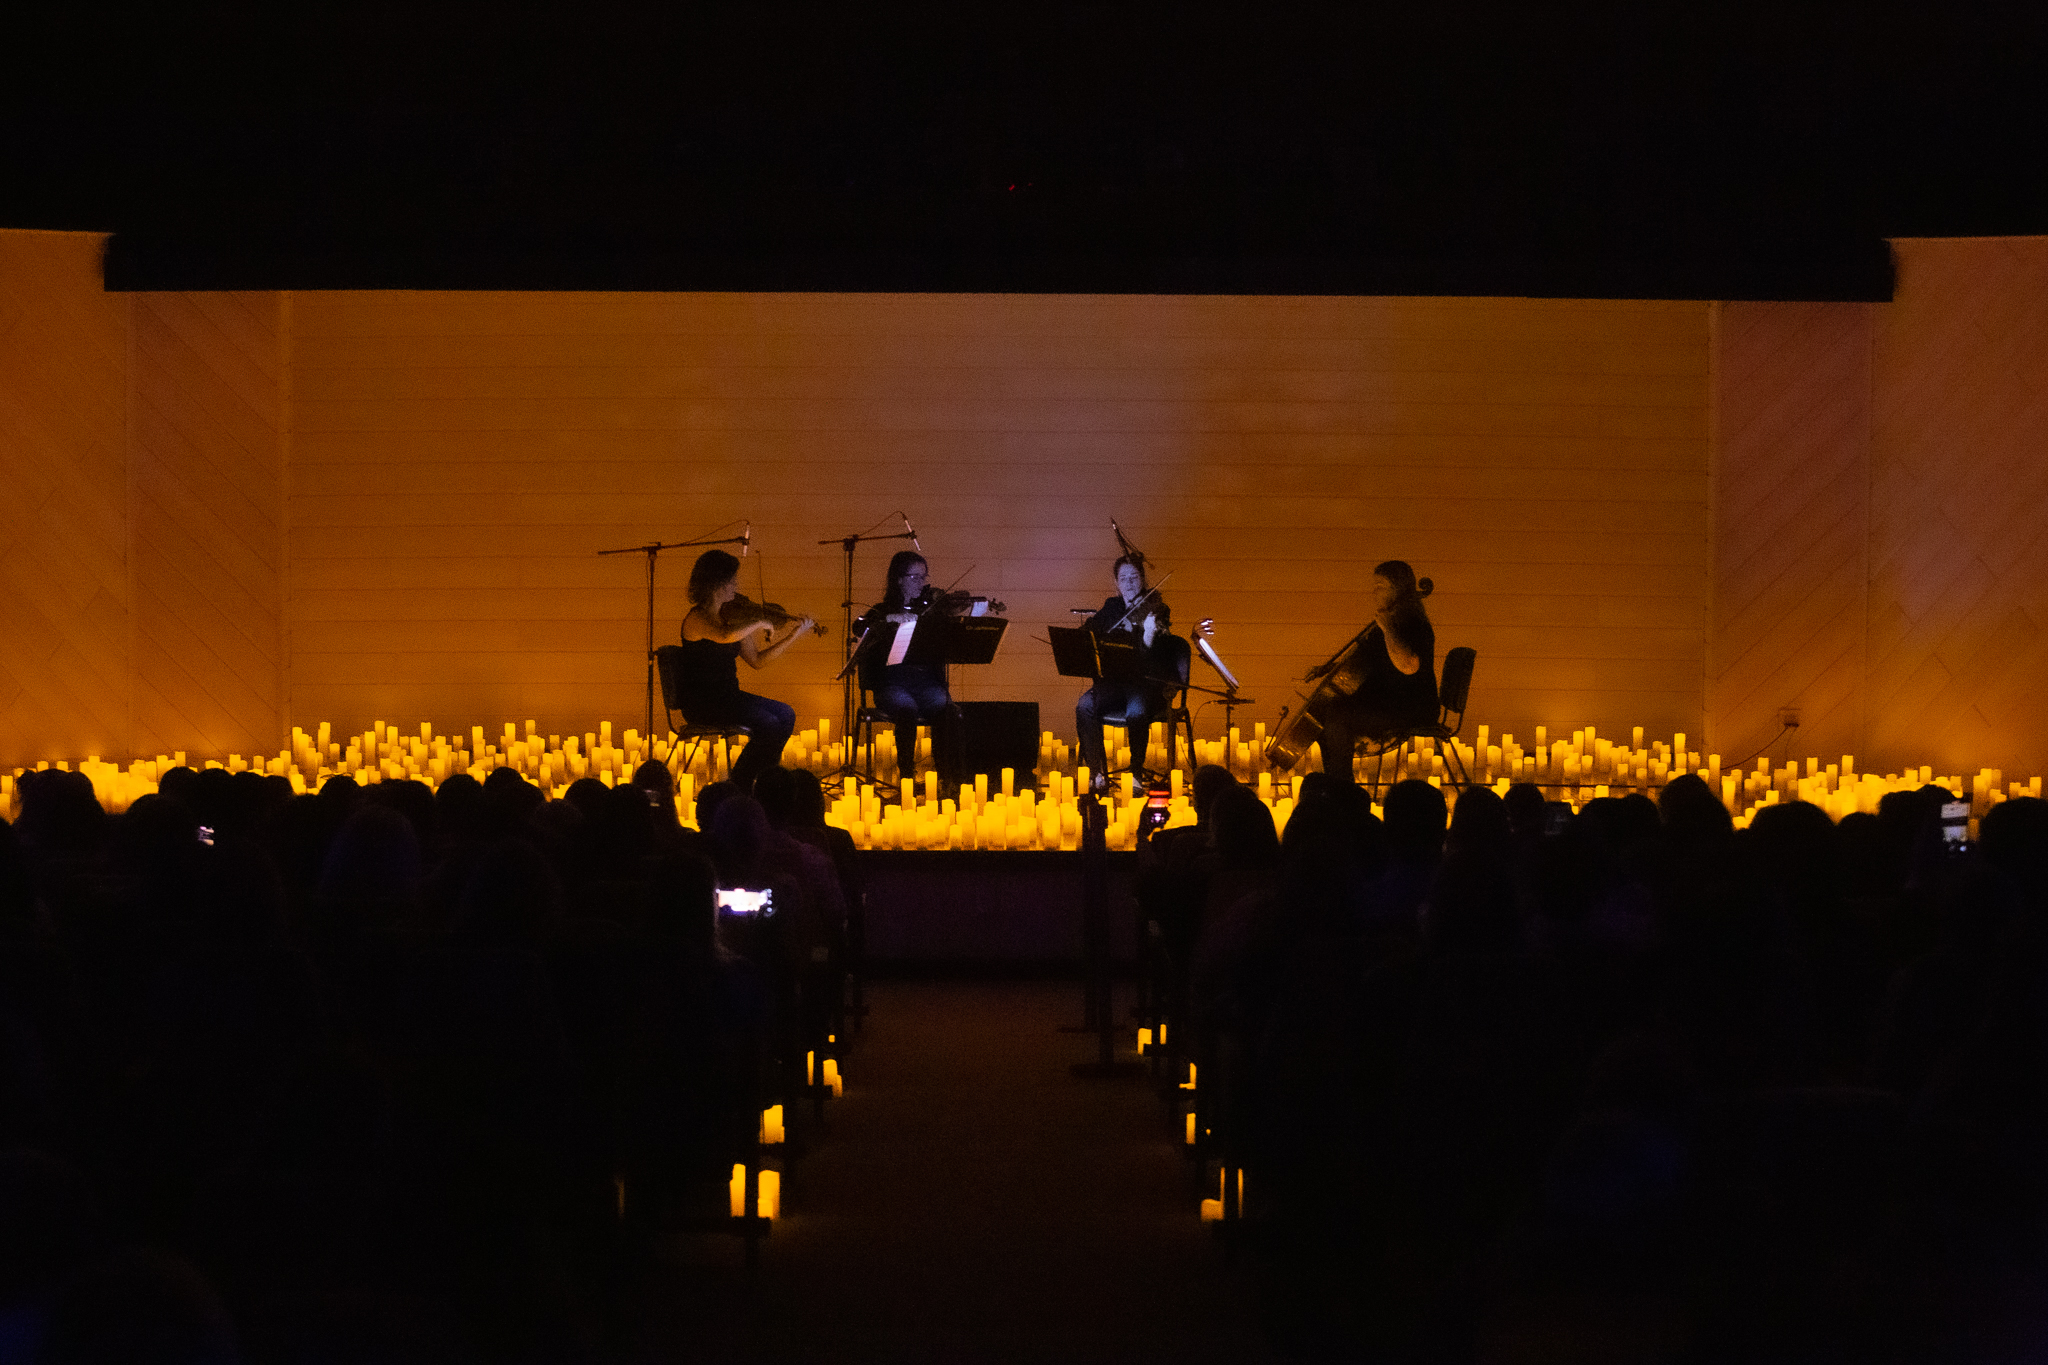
x: 999, y: 815
x: 1040, y: 809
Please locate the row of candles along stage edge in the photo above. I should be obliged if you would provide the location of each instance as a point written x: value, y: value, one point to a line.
x: 899, y: 811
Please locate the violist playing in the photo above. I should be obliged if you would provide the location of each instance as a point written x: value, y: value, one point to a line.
x: 1393, y: 665
x: 707, y: 681
x: 1136, y: 615
x: 911, y: 692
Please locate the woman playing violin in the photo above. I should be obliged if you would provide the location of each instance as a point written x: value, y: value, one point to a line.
x: 1397, y: 660
x: 708, y: 681
x: 910, y: 692
x: 1138, y: 616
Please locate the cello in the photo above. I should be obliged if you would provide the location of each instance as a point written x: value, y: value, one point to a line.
x: 1340, y: 676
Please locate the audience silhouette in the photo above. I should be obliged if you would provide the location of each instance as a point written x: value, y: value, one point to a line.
x: 394, y: 1074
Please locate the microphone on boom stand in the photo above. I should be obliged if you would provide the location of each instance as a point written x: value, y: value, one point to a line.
x: 911, y: 531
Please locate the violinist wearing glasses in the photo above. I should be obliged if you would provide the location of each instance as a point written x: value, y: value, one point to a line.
x: 912, y: 692
x: 722, y: 628
x: 1135, y: 615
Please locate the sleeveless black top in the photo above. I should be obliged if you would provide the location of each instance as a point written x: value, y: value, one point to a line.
x: 708, y: 680
x: 1403, y: 696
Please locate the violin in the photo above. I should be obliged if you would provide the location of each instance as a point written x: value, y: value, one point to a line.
x: 745, y: 611
x: 948, y: 602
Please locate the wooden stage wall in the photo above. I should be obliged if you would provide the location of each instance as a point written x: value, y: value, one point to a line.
x: 224, y: 514
x: 1881, y: 516
x: 142, y: 447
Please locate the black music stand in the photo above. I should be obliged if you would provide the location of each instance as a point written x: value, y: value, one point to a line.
x: 1080, y: 653
x: 936, y: 641
x: 958, y: 640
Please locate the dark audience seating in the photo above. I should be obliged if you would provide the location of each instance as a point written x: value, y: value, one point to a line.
x: 1642, y: 1087
x: 385, y: 1074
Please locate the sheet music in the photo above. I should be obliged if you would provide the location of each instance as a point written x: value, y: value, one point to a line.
x: 900, y: 646
x: 1229, y: 678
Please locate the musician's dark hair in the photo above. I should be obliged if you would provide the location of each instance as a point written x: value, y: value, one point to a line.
x: 712, y: 568
x: 1136, y: 561
x: 899, y: 565
x: 1407, y: 587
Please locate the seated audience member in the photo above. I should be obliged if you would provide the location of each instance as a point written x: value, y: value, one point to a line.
x: 1415, y: 819
x: 748, y: 855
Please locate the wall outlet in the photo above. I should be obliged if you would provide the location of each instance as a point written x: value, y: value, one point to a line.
x: 1788, y: 716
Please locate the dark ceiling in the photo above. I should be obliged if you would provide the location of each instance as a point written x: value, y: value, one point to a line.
x: 1759, y: 151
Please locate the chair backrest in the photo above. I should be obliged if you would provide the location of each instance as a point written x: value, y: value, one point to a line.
x: 668, y: 662
x: 1454, y: 686
x: 1183, y: 665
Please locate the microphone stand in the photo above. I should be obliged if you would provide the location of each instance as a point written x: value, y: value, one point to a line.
x: 850, y: 699
x: 653, y: 550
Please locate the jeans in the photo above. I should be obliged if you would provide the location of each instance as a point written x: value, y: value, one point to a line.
x: 1107, y: 703
x: 769, y: 724
x: 911, y: 694
x: 1346, y: 721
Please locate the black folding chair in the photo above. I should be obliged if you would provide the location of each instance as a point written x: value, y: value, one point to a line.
x: 668, y: 661
x: 1453, y: 690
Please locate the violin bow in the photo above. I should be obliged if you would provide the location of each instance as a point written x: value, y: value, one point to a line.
x: 1143, y: 597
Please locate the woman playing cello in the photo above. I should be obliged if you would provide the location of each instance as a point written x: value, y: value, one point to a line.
x: 1395, y: 664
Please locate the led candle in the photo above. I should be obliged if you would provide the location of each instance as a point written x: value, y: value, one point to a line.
x: 1009, y: 781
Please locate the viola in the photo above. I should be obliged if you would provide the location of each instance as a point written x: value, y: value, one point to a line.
x: 745, y: 611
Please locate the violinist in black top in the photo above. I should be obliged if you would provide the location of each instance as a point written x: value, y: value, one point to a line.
x: 1396, y: 660
x: 1164, y: 655
x: 708, y: 683
x: 910, y: 692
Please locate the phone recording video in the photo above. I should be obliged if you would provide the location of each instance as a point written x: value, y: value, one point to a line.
x: 1955, y: 823
x: 1157, y: 812
x: 742, y: 901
